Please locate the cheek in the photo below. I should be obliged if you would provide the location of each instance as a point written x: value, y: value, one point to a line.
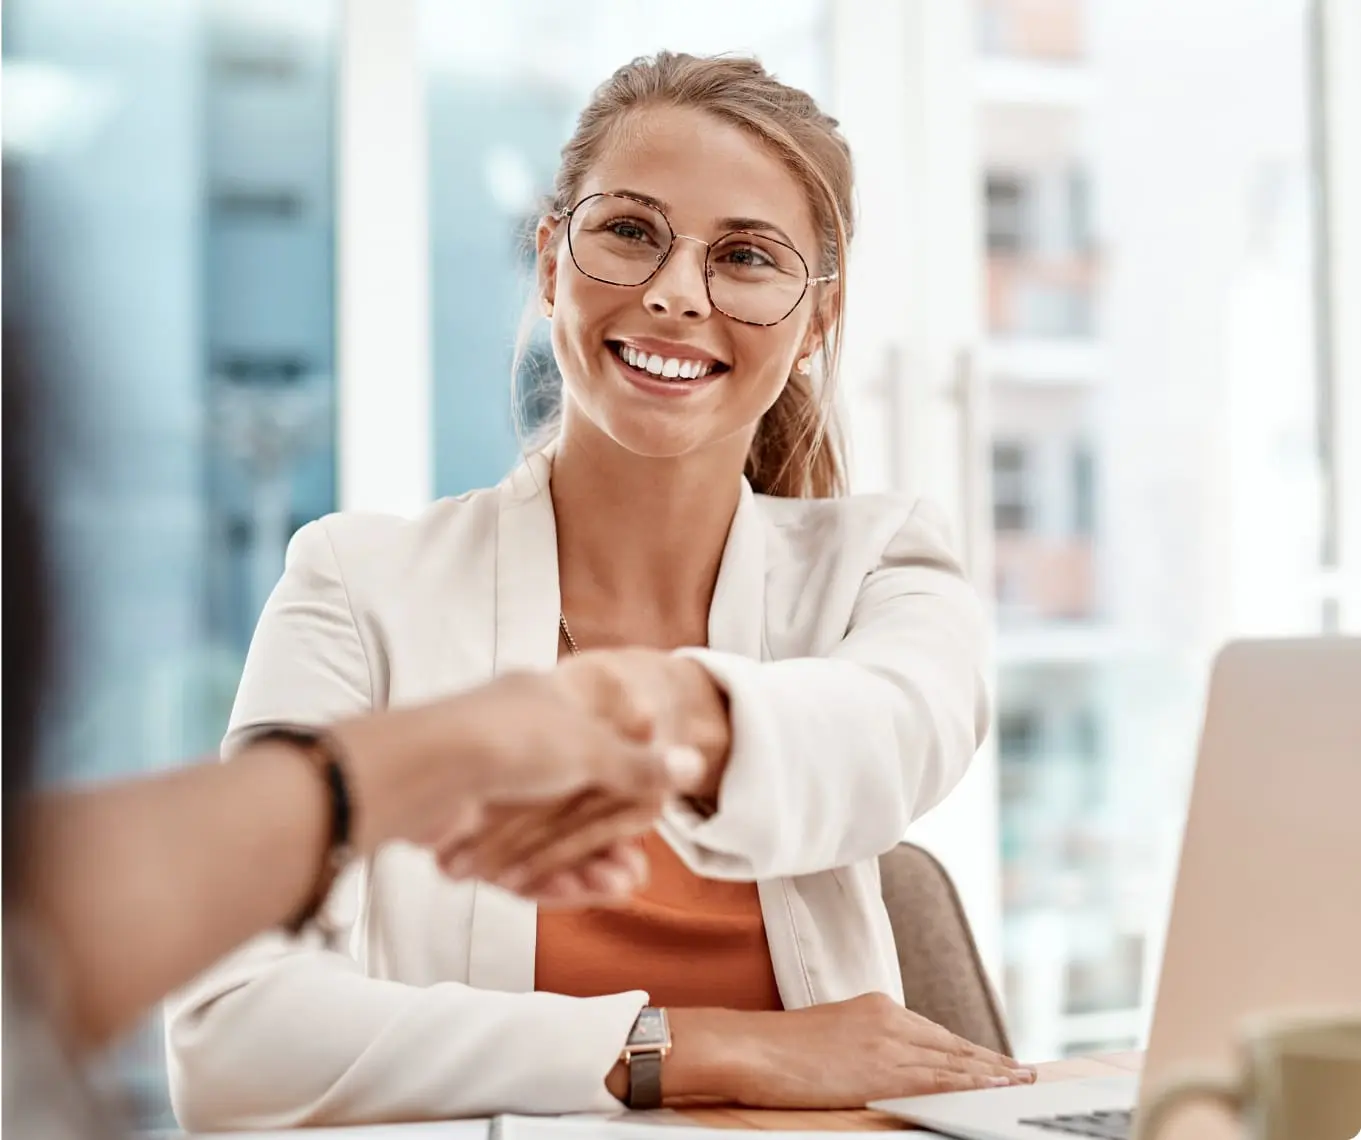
x: 766, y: 360
x: 582, y: 308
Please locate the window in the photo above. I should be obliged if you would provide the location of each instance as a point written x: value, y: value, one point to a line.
x: 1005, y: 202
x: 1202, y: 297
x: 1080, y: 207
x: 1085, y: 730
x: 1084, y: 491
x: 1034, y: 29
x: 1018, y: 734
x: 1011, y: 489
x: 178, y: 206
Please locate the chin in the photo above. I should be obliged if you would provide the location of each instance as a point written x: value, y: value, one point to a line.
x: 651, y: 441
x: 657, y: 430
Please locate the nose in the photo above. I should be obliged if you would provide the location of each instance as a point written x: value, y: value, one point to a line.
x: 679, y: 289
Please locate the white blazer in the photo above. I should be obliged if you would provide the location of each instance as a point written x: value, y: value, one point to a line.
x: 853, y: 653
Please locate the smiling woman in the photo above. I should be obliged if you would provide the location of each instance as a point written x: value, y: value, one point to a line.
x: 682, y: 534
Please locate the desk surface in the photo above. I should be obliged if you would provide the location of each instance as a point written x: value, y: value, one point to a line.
x: 863, y: 1120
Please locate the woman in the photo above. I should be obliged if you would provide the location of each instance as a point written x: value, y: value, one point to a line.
x: 825, y: 655
x: 116, y: 895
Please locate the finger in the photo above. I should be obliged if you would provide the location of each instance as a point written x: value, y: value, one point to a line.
x: 576, y: 851
x: 629, y: 854
x: 615, y: 873
x: 513, y: 832
x: 924, y: 1032
x: 607, y: 881
x: 459, y: 825
x: 974, y: 1066
x: 577, y: 847
x: 563, y: 890
x: 454, y: 854
x: 569, y: 892
x: 517, y: 834
x: 925, y: 1080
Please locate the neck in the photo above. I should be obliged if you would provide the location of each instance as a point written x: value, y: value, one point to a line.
x: 639, y: 535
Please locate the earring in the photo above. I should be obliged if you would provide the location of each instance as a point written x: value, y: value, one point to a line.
x: 548, y: 309
x: 803, y: 366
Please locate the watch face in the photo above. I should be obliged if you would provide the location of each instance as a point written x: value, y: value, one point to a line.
x: 650, y: 1028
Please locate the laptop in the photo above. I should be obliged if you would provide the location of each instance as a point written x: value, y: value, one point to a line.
x: 1267, y: 909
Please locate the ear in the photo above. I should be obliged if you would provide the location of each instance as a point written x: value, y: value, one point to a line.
x: 546, y: 247
x: 823, y: 319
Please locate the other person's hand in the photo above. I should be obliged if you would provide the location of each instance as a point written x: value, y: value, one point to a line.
x: 430, y: 774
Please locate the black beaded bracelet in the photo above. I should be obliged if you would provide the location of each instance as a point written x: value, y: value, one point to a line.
x: 321, y: 750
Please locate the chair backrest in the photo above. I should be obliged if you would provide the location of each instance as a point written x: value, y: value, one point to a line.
x: 943, y: 975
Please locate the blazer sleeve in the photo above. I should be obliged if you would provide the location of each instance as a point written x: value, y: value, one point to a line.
x: 833, y: 757
x: 288, y: 1032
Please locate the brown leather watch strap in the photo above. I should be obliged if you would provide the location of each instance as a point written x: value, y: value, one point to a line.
x: 645, y: 1081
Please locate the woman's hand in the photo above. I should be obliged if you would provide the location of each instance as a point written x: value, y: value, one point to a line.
x: 840, y: 1055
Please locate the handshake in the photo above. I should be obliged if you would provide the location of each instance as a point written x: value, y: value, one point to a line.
x: 542, y: 783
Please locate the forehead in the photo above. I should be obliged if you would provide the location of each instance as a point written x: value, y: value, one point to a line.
x: 705, y: 170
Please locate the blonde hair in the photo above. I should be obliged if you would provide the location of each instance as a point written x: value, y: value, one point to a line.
x: 797, y: 449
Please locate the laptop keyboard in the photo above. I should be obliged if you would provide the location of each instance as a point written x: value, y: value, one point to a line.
x: 1116, y: 1124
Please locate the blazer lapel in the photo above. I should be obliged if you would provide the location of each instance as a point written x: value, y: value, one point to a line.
x: 737, y: 625
x: 504, y: 926
x: 737, y: 613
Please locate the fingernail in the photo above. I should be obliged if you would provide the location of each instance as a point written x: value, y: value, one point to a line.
x: 458, y: 867
x: 684, y: 765
x: 512, y: 880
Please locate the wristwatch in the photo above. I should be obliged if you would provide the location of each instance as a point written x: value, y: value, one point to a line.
x: 648, y: 1044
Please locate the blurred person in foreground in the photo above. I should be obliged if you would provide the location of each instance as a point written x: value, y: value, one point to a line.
x: 683, y: 522
x: 115, y: 895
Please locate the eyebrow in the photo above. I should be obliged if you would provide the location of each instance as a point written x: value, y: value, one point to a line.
x: 725, y: 224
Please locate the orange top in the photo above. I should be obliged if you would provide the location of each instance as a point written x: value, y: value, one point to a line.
x: 686, y: 940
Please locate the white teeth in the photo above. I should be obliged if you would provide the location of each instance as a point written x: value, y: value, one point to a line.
x: 670, y: 368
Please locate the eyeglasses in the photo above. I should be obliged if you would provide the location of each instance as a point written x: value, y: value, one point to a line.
x: 752, y: 278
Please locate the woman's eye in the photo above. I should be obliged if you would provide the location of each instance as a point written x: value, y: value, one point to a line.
x: 747, y: 256
x: 630, y: 231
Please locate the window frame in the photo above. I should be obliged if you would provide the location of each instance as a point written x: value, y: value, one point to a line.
x: 384, y: 388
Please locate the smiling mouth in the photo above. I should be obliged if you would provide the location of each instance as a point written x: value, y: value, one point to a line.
x: 671, y: 368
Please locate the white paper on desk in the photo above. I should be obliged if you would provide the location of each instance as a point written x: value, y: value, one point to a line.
x: 659, y: 1127
x: 423, y: 1130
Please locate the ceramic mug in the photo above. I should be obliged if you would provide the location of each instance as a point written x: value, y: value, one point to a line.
x: 1298, y: 1079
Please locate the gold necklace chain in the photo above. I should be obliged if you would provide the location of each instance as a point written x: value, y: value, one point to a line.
x: 567, y: 635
